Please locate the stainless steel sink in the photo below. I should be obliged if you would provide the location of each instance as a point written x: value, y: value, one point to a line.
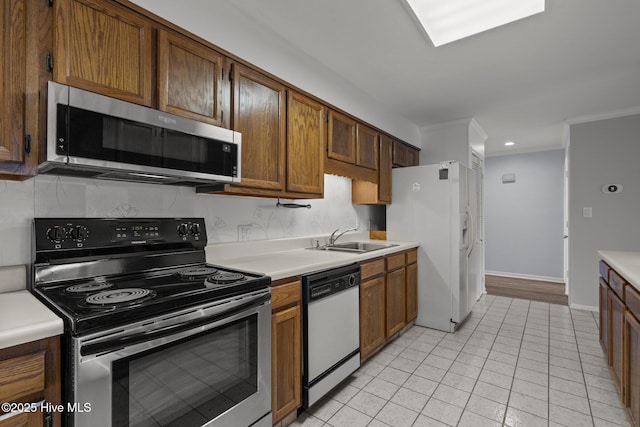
x: 357, y: 247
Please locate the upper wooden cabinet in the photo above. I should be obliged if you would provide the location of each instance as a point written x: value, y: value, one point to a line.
x: 342, y: 138
x: 369, y: 193
x: 405, y: 155
x: 306, y: 139
x: 190, y: 79
x: 25, y: 36
x: 13, y: 78
x: 366, y: 147
x: 103, y: 47
x: 259, y: 114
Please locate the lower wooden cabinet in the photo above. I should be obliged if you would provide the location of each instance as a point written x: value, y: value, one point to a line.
x: 395, y: 301
x: 30, y: 373
x: 617, y: 307
x: 286, y: 349
x: 25, y: 419
x: 632, y: 366
x: 412, y: 292
x: 388, y: 299
x: 372, y: 315
x: 604, y: 317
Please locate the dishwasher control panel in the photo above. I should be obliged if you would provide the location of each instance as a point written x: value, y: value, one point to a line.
x: 323, y: 284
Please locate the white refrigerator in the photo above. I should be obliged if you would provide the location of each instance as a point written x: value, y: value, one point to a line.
x: 438, y: 206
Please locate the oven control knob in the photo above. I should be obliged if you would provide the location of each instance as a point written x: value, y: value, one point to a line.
x: 183, y: 230
x: 79, y: 233
x: 195, y: 229
x: 56, y: 234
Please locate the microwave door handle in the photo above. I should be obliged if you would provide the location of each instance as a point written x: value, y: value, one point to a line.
x: 113, y: 344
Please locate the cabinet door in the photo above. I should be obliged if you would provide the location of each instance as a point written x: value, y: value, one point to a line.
x: 372, y: 315
x: 399, y: 154
x: 395, y: 301
x: 412, y: 292
x: 306, y: 139
x: 13, y: 39
x: 604, y: 319
x: 259, y: 115
x: 384, y: 172
x: 366, y: 147
x: 413, y: 156
x: 103, y: 47
x: 190, y: 79
x: 342, y: 138
x: 616, y: 328
x: 632, y: 366
x: 25, y: 419
x: 286, y: 362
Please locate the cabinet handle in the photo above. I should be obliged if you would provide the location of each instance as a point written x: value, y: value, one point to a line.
x: 48, y: 419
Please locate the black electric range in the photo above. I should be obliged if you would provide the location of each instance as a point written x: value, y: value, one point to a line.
x: 98, y: 273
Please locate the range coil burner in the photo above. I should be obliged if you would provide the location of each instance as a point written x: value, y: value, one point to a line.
x: 119, y: 296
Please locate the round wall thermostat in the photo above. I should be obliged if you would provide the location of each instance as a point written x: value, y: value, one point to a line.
x: 612, y: 188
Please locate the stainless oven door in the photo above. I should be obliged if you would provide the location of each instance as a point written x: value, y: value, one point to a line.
x: 204, y: 366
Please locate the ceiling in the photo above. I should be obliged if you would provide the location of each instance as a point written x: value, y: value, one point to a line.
x: 521, y: 82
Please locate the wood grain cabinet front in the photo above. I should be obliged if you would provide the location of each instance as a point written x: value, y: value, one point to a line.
x: 30, y: 373
x: 632, y: 366
x: 105, y: 48
x: 286, y: 349
x: 604, y: 318
x: 25, y: 37
x: 372, y: 315
x: 306, y: 139
x: 616, y: 328
x: 191, y: 79
x: 396, y: 301
x: 366, y: 147
x: 376, y: 193
x: 341, y: 138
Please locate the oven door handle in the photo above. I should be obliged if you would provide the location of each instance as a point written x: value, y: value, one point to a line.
x: 112, y: 344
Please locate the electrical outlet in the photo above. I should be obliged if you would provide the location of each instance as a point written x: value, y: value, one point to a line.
x: 244, y: 232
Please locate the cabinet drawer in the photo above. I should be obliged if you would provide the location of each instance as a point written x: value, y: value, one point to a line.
x: 617, y: 283
x: 286, y: 295
x: 21, y: 376
x: 412, y: 256
x: 604, y: 270
x: 633, y: 301
x: 395, y: 261
x: 370, y: 269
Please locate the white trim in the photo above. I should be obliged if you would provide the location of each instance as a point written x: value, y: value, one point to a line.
x: 583, y: 307
x: 525, y: 150
x: 604, y: 116
x: 524, y: 276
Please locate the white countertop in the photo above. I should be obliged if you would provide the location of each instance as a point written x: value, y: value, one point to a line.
x: 627, y: 264
x: 280, y: 264
x: 23, y: 319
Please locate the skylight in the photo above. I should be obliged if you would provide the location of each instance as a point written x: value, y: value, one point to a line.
x: 446, y: 21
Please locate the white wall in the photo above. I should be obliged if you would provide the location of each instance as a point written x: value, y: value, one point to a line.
x: 51, y: 196
x: 602, y: 152
x: 523, y: 220
x: 234, y: 31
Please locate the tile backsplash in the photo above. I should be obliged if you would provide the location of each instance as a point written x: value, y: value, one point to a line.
x: 228, y: 218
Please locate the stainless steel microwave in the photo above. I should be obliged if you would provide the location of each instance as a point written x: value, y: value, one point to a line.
x: 91, y: 135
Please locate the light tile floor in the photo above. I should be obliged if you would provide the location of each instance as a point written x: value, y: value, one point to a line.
x: 513, y: 362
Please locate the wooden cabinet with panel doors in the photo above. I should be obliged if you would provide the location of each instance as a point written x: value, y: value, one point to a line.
x: 306, y: 141
x: 405, y: 155
x: 603, y: 292
x: 191, y: 79
x: 385, y: 308
x: 371, y: 193
x: 103, y: 47
x: 632, y: 355
x: 286, y: 348
x: 25, y: 30
x: 372, y: 306
x: 30, y: 373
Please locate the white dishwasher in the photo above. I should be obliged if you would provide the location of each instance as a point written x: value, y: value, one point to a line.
x: 331, y: 329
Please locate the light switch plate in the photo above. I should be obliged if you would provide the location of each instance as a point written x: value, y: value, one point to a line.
x: 587, y: 212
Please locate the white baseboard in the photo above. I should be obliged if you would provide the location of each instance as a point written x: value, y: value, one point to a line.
x: 583, y: 307
x: 525, y: 276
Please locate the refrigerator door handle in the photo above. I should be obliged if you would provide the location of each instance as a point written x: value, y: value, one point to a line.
x: 471, y: 233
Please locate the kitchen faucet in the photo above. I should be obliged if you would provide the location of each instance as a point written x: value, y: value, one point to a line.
x: 332, y: 240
